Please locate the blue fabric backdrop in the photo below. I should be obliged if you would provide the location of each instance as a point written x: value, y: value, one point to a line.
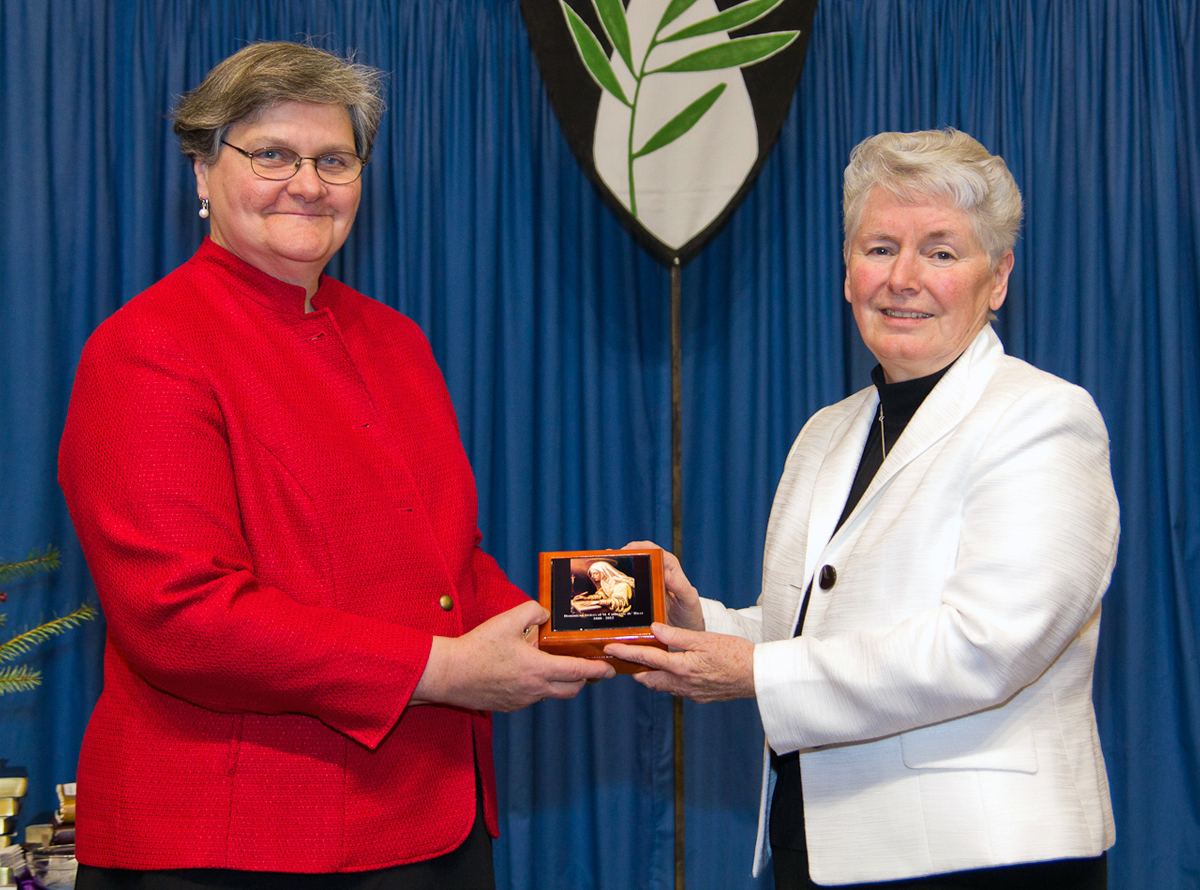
x: 552, y: 330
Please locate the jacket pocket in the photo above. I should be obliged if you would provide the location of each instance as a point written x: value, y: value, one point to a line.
x: 986, y: 741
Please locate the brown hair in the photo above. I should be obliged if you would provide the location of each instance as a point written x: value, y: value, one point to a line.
x: 263, y: 75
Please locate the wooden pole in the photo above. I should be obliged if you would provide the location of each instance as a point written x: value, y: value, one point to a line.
x: 677, y: 537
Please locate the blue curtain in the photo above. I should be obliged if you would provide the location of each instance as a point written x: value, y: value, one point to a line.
x: 552, y: 330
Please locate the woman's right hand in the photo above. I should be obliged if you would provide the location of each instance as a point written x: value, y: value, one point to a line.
x: 683, y: 601
x: 496, y: 667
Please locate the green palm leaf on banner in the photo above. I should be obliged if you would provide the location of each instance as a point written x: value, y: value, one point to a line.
x: 612, y: 17
x: 681, y: 123
x: 730, y: 20
x: 592, y: 54
x: 674, y: 11
x: 735, y: 53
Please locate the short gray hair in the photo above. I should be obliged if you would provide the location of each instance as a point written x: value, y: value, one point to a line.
x: 263, y: 75
x: 945, y: 164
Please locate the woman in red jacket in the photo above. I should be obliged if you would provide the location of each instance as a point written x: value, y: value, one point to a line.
x: 266, y: 476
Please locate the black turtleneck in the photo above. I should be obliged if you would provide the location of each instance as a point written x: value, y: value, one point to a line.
x: 898, y: 402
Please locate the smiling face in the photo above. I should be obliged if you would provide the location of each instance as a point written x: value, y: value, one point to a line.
x: 287, y: 229
x: 920, y: 283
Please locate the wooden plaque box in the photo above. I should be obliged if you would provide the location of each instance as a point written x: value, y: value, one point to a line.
x: 596, y: 597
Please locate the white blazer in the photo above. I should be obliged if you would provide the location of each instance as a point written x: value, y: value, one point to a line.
x: 941, y: 693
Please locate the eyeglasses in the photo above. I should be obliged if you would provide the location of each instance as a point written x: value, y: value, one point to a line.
x: 335, y: 168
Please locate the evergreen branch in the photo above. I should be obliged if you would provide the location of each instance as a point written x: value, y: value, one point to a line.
x: 35, y: 562
x: 18, y: 679
x: 23, y: 643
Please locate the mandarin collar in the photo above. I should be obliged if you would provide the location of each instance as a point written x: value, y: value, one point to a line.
x: 257, y: 285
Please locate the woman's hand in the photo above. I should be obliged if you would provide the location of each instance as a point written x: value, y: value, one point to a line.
x: 683, y: 602
x: 498, y: 667
x: 709, y: 667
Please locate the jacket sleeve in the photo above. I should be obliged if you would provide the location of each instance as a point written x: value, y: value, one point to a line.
x: 494, y: 592
x: 745, y: 623
x: 1026, y: 533
x: 148, y: 478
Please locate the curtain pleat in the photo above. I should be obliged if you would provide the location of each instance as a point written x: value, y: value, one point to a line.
x: 552, y: 331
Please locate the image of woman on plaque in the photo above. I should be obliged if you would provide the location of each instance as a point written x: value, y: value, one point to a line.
x: 922, y: 649
x: 613, y: 593
x: 305, y: 638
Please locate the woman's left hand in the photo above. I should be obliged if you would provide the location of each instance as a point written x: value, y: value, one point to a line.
x: 496, y: 666
x: 683, y: 602
x: 708, y: 667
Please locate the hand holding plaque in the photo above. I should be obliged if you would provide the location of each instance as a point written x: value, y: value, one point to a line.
x: 597, y: 597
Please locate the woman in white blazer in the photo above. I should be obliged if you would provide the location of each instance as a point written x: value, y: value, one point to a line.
x: 934, y: 563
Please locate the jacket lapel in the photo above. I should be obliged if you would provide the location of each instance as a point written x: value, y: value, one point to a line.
x: 836, y: 476
x: 806, y: 507
x: 943, y: 409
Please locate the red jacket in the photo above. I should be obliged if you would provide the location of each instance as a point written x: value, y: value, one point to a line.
x: 273, y: 505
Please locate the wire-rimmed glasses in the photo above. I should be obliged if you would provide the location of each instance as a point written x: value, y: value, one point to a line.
x: 278, y: 164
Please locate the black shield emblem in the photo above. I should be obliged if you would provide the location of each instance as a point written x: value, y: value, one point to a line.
x: 670, y: 106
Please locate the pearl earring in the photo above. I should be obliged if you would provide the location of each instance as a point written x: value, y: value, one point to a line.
x: 204, y: 208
